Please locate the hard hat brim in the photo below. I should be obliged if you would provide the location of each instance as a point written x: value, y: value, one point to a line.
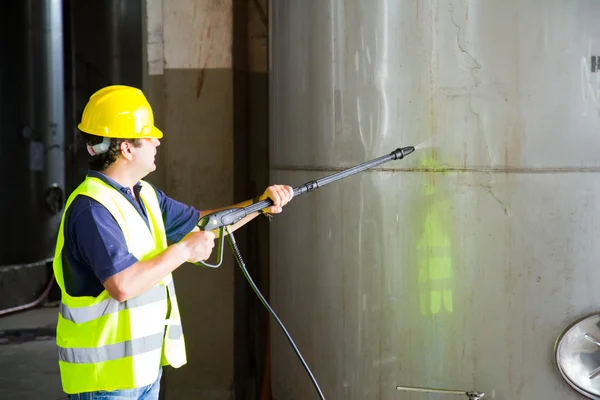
x: 156, y: 133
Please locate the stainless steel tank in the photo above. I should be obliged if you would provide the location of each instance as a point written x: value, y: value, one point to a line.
x: 32, y: 165
x: 460, y: 266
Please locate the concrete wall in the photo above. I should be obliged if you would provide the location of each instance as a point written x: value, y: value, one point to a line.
x: 189, y: 81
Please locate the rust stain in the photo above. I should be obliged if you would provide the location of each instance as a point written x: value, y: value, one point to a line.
x: 261, y: 13
x: 418, y: 5
x: 514, y: 139
x: 202, y: 75
x: 200, y: 82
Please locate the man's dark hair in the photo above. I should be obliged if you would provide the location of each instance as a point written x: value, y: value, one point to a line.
x: 102, y: 161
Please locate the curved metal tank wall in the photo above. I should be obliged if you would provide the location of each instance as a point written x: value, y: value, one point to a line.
x: 32, y: 165
x: 459, y: 266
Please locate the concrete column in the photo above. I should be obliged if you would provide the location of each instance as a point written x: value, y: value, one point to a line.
x: 189, y: 82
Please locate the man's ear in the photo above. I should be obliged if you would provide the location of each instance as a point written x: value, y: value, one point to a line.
x: 125, y: 148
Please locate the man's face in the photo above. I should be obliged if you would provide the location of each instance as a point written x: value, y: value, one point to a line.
x: 144, y: 156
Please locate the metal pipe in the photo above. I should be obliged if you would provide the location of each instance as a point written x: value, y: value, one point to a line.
x: 50, y: 113
x: 34, y: 303
x: 470, y: 395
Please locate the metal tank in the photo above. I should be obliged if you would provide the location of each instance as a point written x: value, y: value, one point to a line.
x: 32, y: 165
x: 458, y: 267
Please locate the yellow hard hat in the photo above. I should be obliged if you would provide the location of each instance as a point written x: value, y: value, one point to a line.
x: 121, y: 112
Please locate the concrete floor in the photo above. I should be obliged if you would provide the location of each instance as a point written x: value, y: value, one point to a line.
x: 28, y: 361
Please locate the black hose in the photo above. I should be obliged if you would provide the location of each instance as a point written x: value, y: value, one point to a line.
x: 242, y: 265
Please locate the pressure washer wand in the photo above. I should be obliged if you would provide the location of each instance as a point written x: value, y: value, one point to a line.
x: 231, y: 216
x: 222, y: 219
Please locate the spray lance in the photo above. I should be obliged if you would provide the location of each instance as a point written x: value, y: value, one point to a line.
x: 221, y: 220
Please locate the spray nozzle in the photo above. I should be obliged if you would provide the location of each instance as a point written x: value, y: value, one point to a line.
x: 403, y: 152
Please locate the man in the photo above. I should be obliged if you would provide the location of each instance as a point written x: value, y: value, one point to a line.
x: 119, y: 321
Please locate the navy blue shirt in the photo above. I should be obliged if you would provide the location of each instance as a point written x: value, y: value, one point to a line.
x: 95, y: 247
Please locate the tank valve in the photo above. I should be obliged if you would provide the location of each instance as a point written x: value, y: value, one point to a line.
x: 470, y: 395
x: 475, y: 395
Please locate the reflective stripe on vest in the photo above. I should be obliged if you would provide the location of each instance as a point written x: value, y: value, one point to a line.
x: 107, y: 345
x: 112, y: 351
x: 80, y: 315
x: 118, y: 350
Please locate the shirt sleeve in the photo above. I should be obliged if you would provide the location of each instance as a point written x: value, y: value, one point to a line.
x: 179, y: 218
x: 99, y: 240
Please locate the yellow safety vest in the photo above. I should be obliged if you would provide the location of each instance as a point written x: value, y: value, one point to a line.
x: 107, y: 345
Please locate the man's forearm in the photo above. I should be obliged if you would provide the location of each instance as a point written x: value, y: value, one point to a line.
x: 143, y: 275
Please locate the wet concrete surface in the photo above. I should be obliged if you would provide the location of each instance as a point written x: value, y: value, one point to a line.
x: 28, y: 359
